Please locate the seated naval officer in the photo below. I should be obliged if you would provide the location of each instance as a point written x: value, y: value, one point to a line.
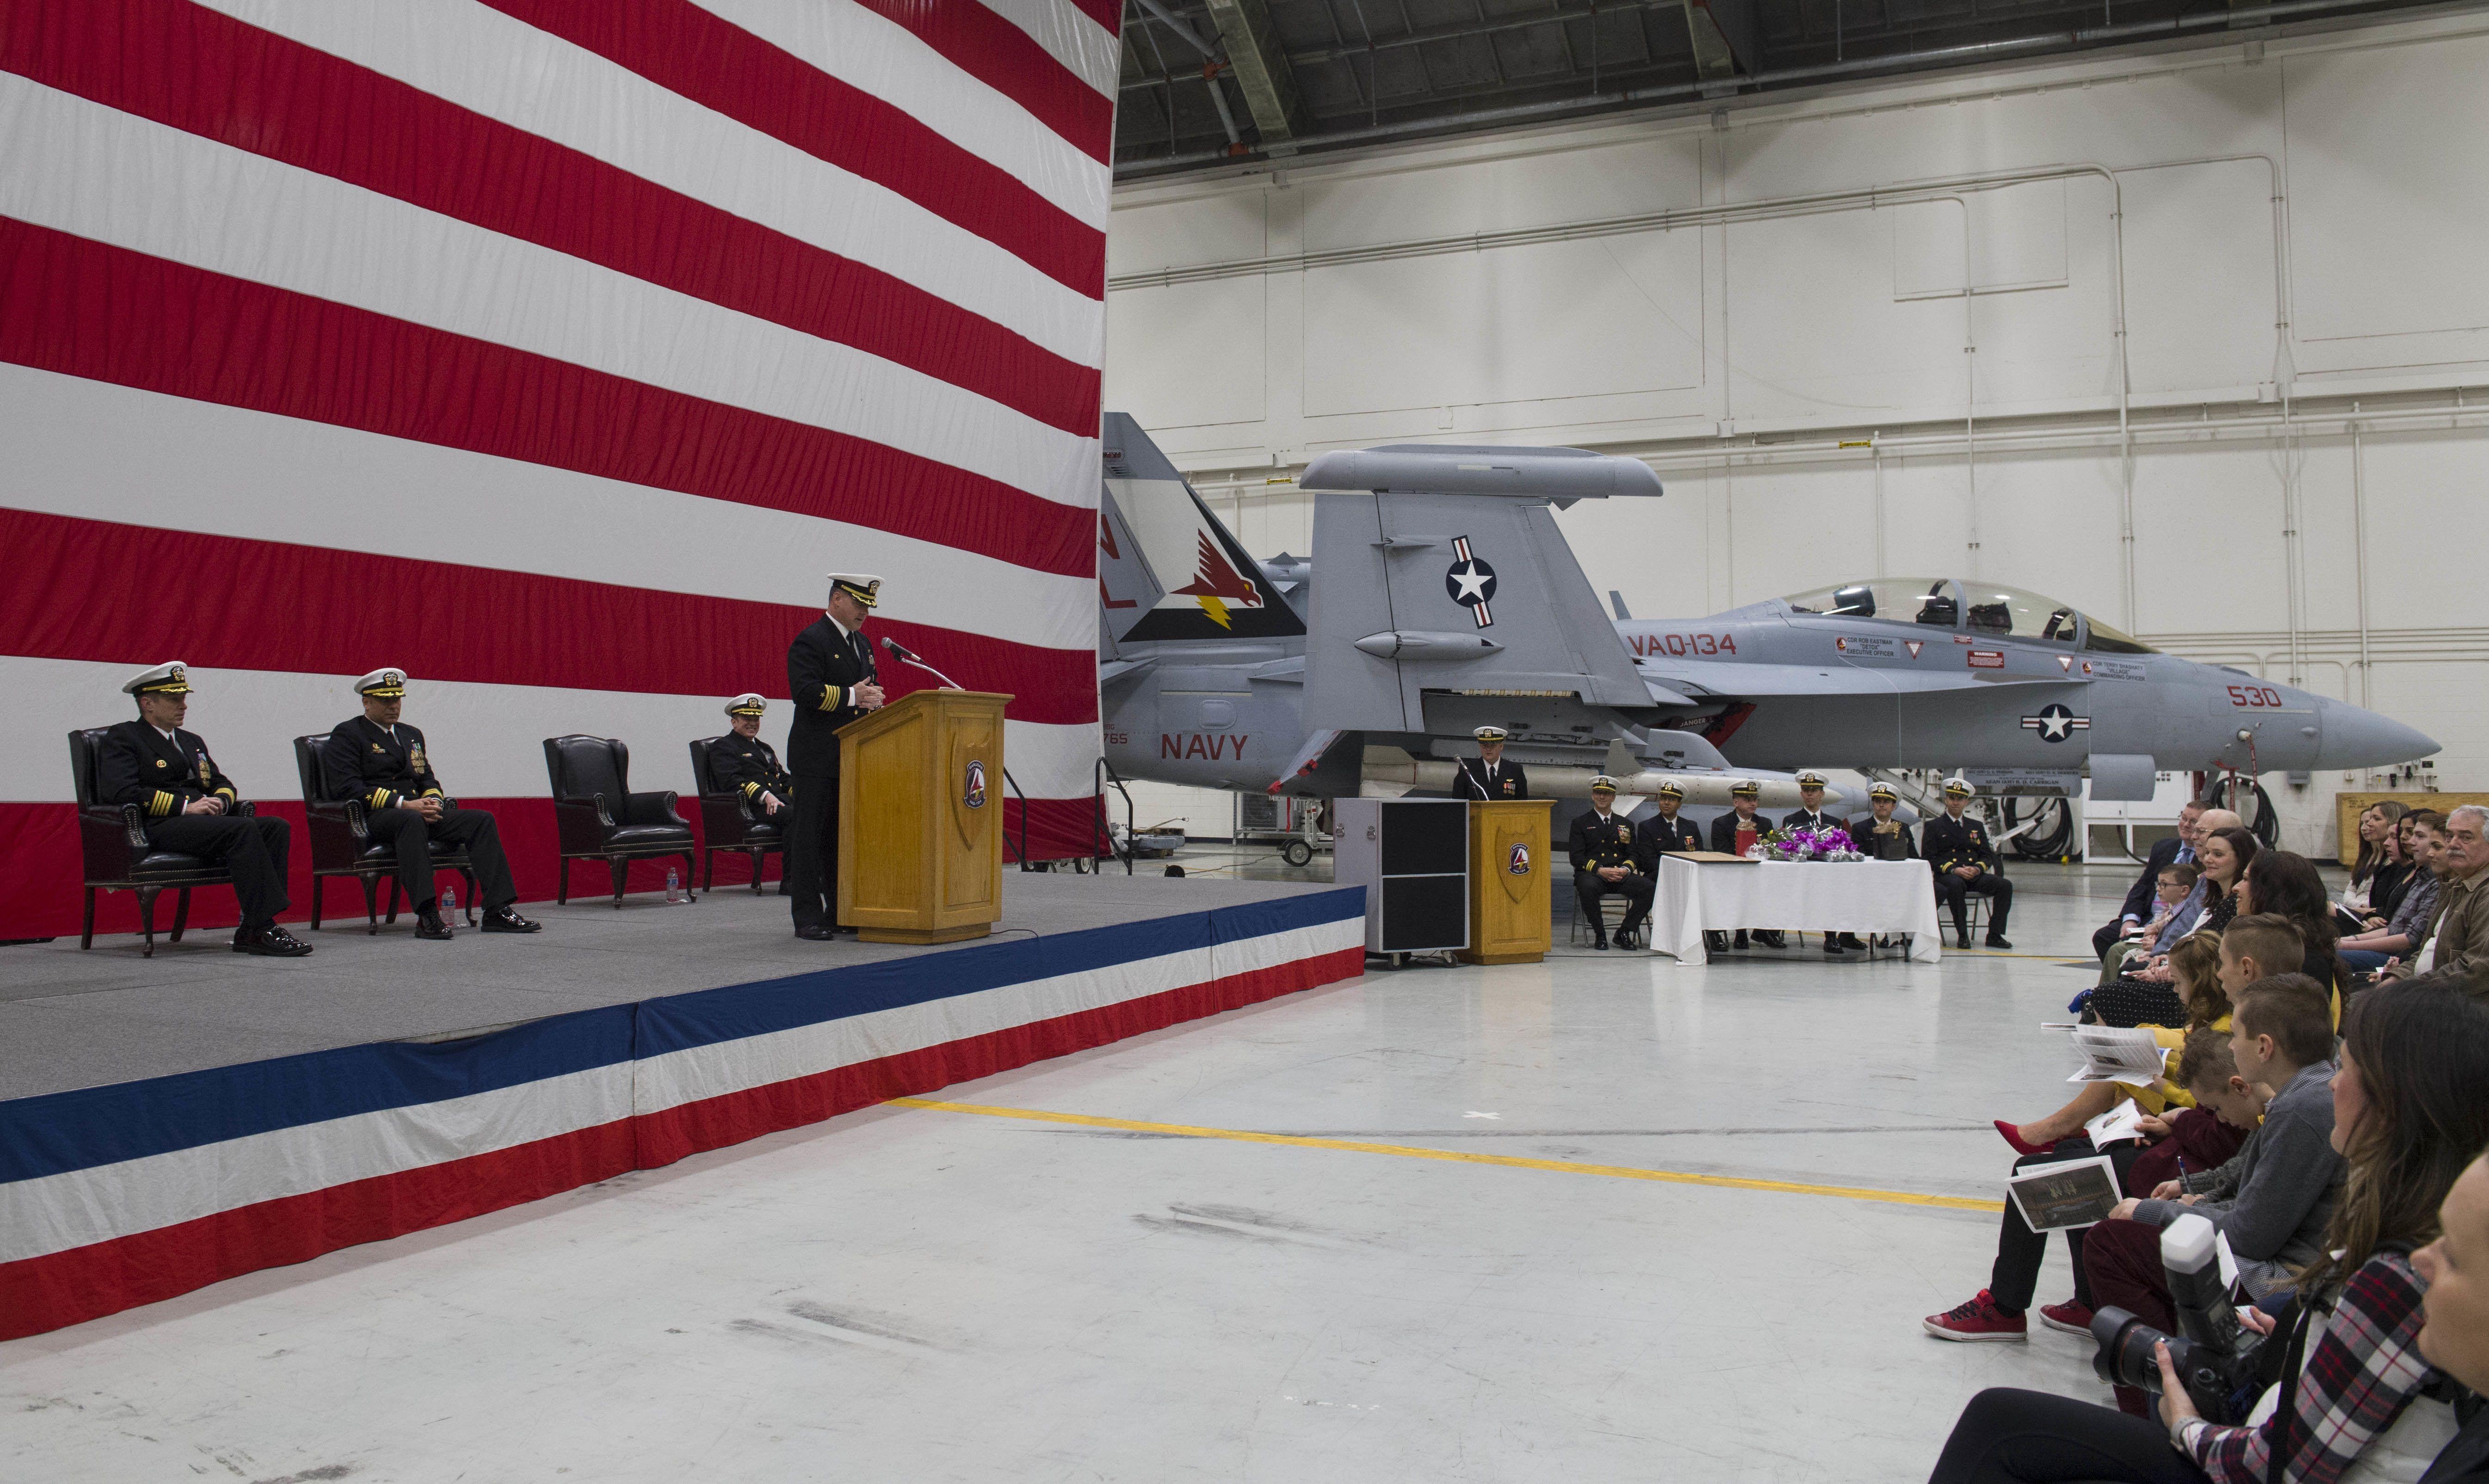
x: 1487, y: 778
x: 379, y: 759
x: 186, y: 803
x: 1965, y: 863
x: 1605, y: 860
x: 830, y: 673
x: 1880, y: 836
x: 1665, y: 833
x: 742, y: 762
x: 1810, y: 816
x: 1735, y: 832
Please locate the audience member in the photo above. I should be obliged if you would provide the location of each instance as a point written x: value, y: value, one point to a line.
x: 2454, y: 1332
x: 2280, y: 883
x: 2407, y: 1116
x: 2459, y: 937
x: 2376, y: 858
x: 2367, y: 952
x: 2177, y: 850
x: 2203, y: 999
x: 2223, y: 855
x: 2176, y: 890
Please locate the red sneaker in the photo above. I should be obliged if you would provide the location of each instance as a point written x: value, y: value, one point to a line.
x: 1979, y: 1321
x: 2070, y: 1316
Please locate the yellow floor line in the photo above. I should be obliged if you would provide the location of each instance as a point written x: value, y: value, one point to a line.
x: 1458, y: 1156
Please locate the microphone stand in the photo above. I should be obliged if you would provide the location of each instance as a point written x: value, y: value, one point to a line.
x: 906, y: 657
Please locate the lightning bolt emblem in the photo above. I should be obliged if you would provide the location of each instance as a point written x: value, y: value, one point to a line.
x: 1216, y: 609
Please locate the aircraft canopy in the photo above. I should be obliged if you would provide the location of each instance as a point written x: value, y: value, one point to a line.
x: 1976, y: 608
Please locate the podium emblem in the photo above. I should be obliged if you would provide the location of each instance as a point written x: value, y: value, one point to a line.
x: 973, y: 792
x: 1518, y: 863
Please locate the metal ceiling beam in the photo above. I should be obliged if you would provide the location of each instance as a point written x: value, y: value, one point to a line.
x: 1260, y: 67
x: 1728, y: 38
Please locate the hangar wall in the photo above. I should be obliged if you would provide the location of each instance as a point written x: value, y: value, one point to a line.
x: 1739, y: 298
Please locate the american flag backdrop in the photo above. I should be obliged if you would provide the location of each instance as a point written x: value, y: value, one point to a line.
x: 552, y: 350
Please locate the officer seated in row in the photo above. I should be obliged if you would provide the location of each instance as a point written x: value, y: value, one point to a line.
x: 1666, y: 832
x: 1487, y: 778
x: 1605, y: 860
x: 1733, y: 834
x: 379, y: 759
x: 1810, y: 816
x: 1880, y: 836
x: 187, y: 804
x: 741, y: 762
x: 1966, y: 863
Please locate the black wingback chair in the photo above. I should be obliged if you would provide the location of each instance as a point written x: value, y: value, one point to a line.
x: 599, y: 818
x: 730, y: 822
x: 342, y: 843
x: 119, y: 856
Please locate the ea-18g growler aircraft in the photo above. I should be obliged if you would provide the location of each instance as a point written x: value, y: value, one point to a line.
x: 1440, y: 597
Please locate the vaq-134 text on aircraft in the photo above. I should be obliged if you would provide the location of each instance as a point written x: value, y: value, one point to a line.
x: 1440, y: 597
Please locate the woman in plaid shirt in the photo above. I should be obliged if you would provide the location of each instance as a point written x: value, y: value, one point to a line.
x: 2408, y: 1117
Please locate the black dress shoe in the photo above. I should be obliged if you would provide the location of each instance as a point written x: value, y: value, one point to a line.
x: 1629, y: 937
x: 1771, y: 939
x: 1849, y: 940
x: 428, y: 925
x: 1831, y: 944
x: 816, y: 933
x: 1741, y: 940
x: 270, y: 942
x: 1961, y: 940
x: 1600, y: 942
x: 503, y: 920
x: 1993, y: 941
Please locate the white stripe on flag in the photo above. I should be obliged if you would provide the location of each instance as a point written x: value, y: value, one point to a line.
x: 99, y: 451
x: 115, y: 177
x: 1087, y: 50
x: 481, y: 737
x: 490, y: 64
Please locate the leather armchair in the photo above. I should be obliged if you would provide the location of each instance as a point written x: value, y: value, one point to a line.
x: 120, y: 857
x: 342, y: 843
x: 730, y: 822
x: 598, y: 817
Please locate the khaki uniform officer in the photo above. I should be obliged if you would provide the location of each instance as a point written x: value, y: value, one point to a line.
x: 1965, y: 865
x: 742, y: 762
x: 1605, y: 860
x: 382, y: 760
x: 1487, y: 778
x: 189, y: 805
x: 830, y: 672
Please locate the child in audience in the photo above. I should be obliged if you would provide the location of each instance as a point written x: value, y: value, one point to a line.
x: 2206, y: 1076
x: 2175, y: 884
x: 2198, y: 1000
x: 2408, y: 1117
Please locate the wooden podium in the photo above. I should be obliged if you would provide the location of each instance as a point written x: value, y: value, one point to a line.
x: 921, y: 819
x: 1511, y: 913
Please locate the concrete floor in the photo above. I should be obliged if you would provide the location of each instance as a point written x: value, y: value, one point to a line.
x: 928, y: 1294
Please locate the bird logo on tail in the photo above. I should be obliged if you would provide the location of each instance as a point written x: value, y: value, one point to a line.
x: 1217, y: 584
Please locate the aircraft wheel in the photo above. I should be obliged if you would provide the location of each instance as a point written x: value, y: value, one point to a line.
x: 1296, y: 853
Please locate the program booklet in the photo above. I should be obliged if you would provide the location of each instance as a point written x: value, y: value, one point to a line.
x: 2062, y: 1196
x: 2118, y: 1054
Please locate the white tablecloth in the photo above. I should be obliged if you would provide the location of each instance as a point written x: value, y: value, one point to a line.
x: 1862, y: 896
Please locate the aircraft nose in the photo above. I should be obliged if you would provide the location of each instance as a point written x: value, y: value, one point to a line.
x: 2354, y: 737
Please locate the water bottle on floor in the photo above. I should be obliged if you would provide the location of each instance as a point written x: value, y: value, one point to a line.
x: 674, y: 885
x: 449, y: 904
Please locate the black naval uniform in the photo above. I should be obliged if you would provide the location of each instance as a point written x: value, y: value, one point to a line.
x: 139, y: 765
x: 383, y: 766
x: 749, y: 766
x: 823, y: 668
x: 1609, y: 842
x: 1887, y: 842
x: 1485, y: 785
x: 1724, y: 838
x: 1949, y: 842
x: 1809, y: 819
x: 1659, y: 835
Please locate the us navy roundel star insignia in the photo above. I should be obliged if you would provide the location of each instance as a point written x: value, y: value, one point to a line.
x: 2056, y: 722
x: 973, y: 792
x: 1519, y: 863
x: 1471, y: 582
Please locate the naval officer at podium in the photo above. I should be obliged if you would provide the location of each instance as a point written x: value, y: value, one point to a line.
x: 831, y: 676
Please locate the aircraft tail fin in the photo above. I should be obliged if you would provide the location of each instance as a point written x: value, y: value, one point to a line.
x: 1617, y: 601
x: 1167, y: 569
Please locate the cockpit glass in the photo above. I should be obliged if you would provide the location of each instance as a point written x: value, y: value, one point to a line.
x: 2107, y: 641
x: 1931, y: 600
x: 2009, y: 613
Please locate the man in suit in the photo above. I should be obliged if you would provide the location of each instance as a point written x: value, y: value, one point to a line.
x: 1965, y: 864
x: 1733, y: 832
x: 1605, y: 860
x: 1810, y: 816
x: 1487, y: 778
x: 742, y: 762
x: 382, y: 760
x: 2138, y: 907
x: 830, y: 673
x: 190, y: 806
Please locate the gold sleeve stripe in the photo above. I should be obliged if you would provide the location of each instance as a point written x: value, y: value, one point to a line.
x: 433, y: 793
x: 227, y: 792
x: 830, y: 698
x: 161, y: 803
x: 750, y: 790
x: 380, y: 798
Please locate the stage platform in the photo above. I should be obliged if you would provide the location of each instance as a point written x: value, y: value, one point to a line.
x: 167, y: 1122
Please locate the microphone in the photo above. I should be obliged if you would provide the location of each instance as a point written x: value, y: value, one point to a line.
x: 905, y: 656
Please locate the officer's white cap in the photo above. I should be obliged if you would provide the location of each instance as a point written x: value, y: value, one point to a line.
x: 1959, y: 787
x: 1603, y: 785
x: 747, y: 704
x: 1810, y: 779
x: 1490, y: 733
x: 1670, y: 788
x: 167, y: 679
x: 863, y: 586
x: 387, y: 683
x: 1883, y: 791
x: 1746, y: 789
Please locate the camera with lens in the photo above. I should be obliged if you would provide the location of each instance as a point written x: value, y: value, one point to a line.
x: 2215, y: 1355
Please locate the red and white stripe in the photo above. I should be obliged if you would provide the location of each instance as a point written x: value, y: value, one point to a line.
x: 551, y: 349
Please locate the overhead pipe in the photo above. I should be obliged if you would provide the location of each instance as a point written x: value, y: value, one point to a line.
x: 1933, y: 57
x: 1213, y: 64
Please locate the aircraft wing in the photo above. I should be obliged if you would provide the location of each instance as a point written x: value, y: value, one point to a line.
x: 1734, y: 680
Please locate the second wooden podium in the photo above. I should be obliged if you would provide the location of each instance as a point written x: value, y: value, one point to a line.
x: 920, y: 819
x: 1511, y: 906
